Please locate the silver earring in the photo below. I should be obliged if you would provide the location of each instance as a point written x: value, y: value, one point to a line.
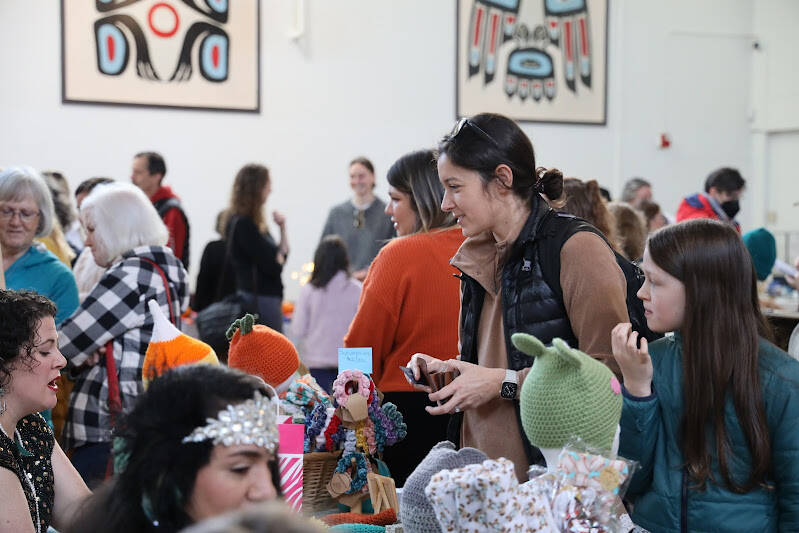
x: 2, y: 401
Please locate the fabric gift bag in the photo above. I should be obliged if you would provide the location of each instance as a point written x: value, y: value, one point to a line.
x: 289, y: 455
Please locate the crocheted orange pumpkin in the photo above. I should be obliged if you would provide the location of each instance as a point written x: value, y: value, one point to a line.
x: 261, y: 351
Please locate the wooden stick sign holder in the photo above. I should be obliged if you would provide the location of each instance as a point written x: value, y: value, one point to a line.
x: 383, y: 493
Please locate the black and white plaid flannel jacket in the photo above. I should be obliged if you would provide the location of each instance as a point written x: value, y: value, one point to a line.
x: 116, y: 309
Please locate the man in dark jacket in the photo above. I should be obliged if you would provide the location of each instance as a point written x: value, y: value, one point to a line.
x: 147, y: 174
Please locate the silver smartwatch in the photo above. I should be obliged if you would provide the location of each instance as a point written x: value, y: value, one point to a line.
x: 510, y: 386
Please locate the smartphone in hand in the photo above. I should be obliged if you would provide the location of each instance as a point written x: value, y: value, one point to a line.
x: 409, y: 376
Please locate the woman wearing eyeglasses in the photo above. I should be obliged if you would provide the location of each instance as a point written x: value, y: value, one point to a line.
x: 409, y: 301
x: 360, y: 221
x: 26, y: 212
x: 500, y: 199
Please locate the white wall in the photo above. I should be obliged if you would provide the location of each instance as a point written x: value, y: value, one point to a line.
x: 377, y: 78
x: 776, y: 129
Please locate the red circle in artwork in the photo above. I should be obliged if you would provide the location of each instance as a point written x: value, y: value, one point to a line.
x: 160, y: 33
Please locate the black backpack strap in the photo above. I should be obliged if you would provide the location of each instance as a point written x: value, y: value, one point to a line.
x: 165, y: 204
x: 162, y: 206
x: 553, y: 232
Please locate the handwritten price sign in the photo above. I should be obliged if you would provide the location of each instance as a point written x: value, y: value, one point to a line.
x: 355, y: 359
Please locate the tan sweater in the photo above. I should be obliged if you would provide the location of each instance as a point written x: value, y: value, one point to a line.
x: 594, y: 292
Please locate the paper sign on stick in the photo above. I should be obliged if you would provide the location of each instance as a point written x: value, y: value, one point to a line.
x: 355, y: 359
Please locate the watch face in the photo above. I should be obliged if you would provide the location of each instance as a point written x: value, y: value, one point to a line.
x: 508, y: 390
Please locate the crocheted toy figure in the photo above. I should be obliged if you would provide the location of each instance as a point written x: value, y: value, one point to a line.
x: 567, y: 394
x: 361, y: 427
x: 261, y: 351
x: 170, y: 348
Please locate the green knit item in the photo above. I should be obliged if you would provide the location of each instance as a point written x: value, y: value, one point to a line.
x: 245, y: 324
x: 567, y: 394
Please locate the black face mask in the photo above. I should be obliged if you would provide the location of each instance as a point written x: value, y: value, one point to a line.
x: 731, y: 208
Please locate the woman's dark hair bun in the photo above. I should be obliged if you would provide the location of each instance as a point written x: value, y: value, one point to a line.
x: 550, y: 182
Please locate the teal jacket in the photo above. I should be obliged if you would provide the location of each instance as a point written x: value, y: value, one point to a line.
x: 660, y: 490
x: 41, y: 271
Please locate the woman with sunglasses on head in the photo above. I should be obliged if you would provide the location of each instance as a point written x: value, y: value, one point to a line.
x: 410, y: 301
x: 500, y: 200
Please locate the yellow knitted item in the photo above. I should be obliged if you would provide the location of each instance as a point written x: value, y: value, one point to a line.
x: 170, y: 348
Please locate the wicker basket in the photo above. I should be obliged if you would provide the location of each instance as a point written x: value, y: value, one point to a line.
x: 317, y: 470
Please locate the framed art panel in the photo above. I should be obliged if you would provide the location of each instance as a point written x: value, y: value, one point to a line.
x: 199, y: 54
x: 532, y: 60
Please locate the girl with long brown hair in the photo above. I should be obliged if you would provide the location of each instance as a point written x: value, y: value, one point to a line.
x: 257, y: 258
x: 711, y: 413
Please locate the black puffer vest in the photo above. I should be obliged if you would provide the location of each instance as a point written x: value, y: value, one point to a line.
x: 528, y: 306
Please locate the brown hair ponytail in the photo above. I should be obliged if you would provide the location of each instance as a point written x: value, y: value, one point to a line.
x: 550, y: 184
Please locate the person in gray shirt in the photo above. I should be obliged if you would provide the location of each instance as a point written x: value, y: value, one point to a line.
x: 361, y: 221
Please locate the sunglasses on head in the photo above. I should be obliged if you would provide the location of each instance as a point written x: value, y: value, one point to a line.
x: 463, y: 123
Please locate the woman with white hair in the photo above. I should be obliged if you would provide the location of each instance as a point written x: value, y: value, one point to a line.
x: 26, y: 212
x: 127, y: 236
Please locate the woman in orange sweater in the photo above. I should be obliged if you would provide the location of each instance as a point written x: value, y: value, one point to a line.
x: 410, y: 299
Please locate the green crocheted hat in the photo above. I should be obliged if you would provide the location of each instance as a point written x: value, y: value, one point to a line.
x: 567, y: 394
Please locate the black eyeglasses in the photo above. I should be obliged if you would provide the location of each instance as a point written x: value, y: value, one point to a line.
x: 463, y: 123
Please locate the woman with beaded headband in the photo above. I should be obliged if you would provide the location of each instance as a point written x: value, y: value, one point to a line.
x: 38, y: 484
x: 213, y: 450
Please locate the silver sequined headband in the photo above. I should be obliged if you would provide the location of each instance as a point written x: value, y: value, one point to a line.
x: 250, y: 422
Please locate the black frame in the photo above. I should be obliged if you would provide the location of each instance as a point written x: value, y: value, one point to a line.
x: 256, y: 110
x: 527, y: 120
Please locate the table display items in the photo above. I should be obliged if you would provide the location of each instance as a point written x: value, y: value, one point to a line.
x: 570, y: 406
x: 344, y: 440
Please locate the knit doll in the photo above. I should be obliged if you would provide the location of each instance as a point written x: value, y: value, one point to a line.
x: 566, y: 395
x: 261, y: 351
x: 362, y: 428
x: 169, y: 348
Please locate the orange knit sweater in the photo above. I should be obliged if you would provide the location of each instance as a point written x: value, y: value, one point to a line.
x: 409, y: 303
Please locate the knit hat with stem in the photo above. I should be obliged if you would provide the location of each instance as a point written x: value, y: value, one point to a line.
x: 170, y: 348
x: 567, y: 394
x: 261, y: 351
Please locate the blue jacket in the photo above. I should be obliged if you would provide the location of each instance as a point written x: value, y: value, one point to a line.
x: 41, y: 271
x: 661, y: 491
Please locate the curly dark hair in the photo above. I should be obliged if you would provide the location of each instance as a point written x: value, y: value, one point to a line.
x: 158, y: 466
x: 20, y: 313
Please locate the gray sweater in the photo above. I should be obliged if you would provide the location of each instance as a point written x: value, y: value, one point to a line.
x: 364, y: 235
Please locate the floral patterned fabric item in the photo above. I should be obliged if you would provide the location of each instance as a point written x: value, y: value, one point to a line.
x: 487, y: 497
